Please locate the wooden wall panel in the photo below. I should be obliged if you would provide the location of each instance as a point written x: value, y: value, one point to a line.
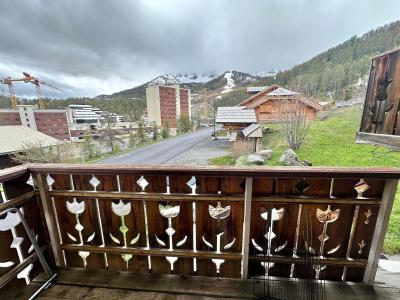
x: 343, y: 188
x: 231, y: 226
x: 309, y: 186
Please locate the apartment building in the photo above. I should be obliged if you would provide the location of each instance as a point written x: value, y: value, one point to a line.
x: 165, y: 104
x: 53, y: 122
x: 67, y: 124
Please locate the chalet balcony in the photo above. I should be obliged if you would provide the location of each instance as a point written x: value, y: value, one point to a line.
x: 136, y: 232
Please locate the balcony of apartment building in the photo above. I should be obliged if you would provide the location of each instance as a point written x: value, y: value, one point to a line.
x: 136, y: 232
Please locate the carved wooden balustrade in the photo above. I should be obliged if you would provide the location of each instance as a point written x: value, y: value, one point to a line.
x: 196, y: 221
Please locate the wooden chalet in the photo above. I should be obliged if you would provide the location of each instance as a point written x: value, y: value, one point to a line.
x: 266, y: 103
x: 148, y: 232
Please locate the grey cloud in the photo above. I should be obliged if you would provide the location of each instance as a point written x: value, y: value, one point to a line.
x: 91, y: 47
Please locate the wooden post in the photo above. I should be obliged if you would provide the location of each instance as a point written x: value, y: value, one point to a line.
x: 50, y: 218
x: 246, y: 226
x: 382, y: 221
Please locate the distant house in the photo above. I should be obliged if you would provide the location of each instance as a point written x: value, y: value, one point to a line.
x: 266, y: 103
x: 234, y: 118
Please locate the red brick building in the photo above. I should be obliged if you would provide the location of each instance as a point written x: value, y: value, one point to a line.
x: 9, y: 117
x: 184, y: 101
x: 167, y: 104
x: 53, y: 122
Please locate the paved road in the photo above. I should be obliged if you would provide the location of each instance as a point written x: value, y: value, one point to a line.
x: 194, y: 148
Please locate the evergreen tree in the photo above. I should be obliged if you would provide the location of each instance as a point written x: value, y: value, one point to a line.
x: 156, y: 134
x: 90, y: 149
x: 165, y: 130
x: 132, y: 139
x: 141, y: 132
x: 184, y: 123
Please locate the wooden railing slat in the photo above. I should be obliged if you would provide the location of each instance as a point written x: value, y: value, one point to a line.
x: 248, y: 193
x: 382, y: 222
x: 50, y: 218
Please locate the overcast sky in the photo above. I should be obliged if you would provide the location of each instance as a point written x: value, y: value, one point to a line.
x: 92, y: 47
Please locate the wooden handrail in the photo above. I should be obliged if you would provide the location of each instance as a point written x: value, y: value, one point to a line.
x: 310, y: 172
x: 13, y: 172
x: 17, y: 201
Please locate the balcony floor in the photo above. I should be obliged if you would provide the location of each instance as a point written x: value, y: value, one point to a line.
x: 81, y: 284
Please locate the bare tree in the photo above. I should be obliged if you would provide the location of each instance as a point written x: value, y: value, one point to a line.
x: 109, y: 136
x: 90, y: 148
x: 241, y: 147
x: 293, y: 121
x: 38, y: 152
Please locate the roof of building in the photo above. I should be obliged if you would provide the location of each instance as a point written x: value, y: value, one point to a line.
x: 255, y: 89
x: 275, y: 91
x: 14, y: 138
x: 263, y: 92
x: 253, y: 130
x: 280, y: 91
x: 235, y: 114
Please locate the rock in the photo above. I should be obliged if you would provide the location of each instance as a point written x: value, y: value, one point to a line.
x: 290, y: 158
x: 267, y: 154
x: 252, y: 159
x: 266, y: 130
x: 255, y: 159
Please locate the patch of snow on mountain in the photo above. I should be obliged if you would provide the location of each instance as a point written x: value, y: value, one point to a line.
x: 197, y: 78
x: 166, y: 79
x: 230, y: 83
x: 269, y: 73
x: 249, y: 79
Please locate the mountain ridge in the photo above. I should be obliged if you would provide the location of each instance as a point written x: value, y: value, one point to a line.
x: 195, y: 82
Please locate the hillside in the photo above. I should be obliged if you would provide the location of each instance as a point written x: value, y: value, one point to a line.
x: 339, y: 69
x: 195, y: 82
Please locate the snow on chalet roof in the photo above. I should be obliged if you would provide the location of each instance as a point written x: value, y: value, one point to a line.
x: 282, y: 92
x: 235, y: 114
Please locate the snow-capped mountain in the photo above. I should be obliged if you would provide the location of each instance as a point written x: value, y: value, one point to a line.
x: 180, y: 78
x: 194, y: 77
x: 223, y: 83
x: 166, y: 79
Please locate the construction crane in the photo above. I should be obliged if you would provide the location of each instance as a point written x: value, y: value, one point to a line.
x: 37, y: 82
x: 9, y: 81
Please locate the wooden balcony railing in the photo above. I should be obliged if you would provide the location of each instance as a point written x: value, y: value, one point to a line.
x: 196, y: 221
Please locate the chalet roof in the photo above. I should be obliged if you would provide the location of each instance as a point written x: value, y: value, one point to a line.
x: 14, y: 138
x: 263, y: 92
x: 235, y: 114
x: 276, y: 91
x: 282, y: 92
x: 255, y: 89
x: 253, y: 130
